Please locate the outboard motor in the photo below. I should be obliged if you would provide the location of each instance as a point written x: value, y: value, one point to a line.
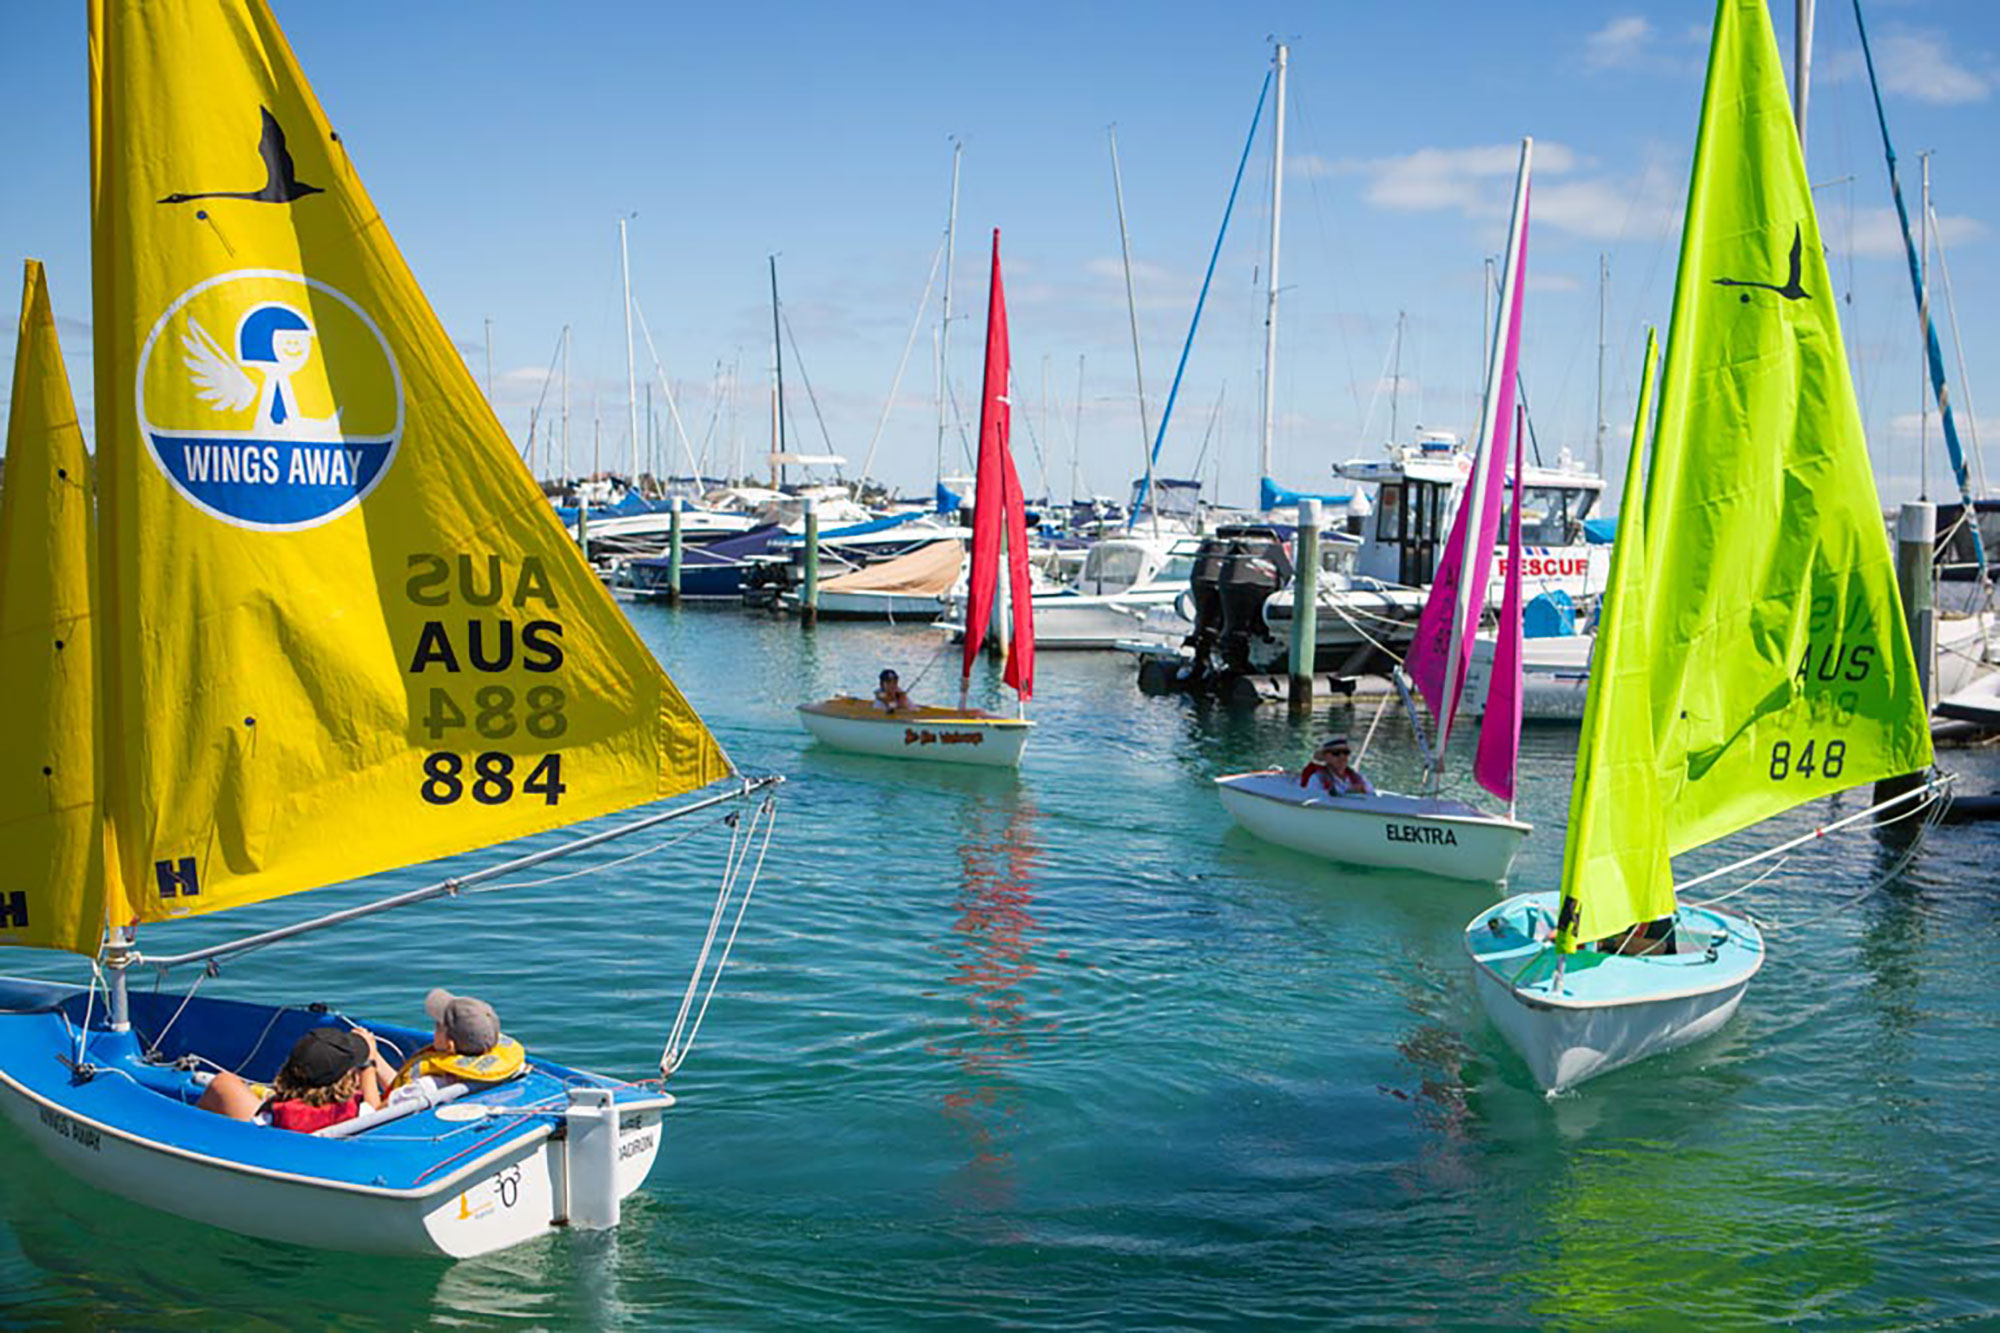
x: 1205, y: 582
x: 1256, y: 566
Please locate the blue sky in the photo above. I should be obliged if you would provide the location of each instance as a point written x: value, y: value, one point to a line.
x: 503, y: 142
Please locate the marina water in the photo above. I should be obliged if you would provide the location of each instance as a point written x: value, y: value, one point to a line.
x: 1063, y: 1048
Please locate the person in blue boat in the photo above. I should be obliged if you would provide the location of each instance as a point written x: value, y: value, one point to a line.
x: 329, y: 1076
x: 467, y: 1045
x: 890, y: 696
x: 1331, y: 772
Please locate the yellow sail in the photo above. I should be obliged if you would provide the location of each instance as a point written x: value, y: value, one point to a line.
x: 343, y: 628
x: 51, y: 861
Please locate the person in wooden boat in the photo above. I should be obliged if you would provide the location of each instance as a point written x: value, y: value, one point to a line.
x: 467, y: 1045
x: 329, y: 1076
x: 1331, y: 772
x: 890, y: 696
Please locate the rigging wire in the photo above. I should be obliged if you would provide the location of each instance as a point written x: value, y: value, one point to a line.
x: 811, y: 397
x: 923, y: 303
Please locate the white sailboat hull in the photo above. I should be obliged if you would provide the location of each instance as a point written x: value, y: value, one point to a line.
x: 935, y: 735
x: 1610, y: 1011
x: 1446, y: 838
x: 918, y: 608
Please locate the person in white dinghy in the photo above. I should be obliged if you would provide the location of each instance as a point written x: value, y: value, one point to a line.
x: 1331, y: 772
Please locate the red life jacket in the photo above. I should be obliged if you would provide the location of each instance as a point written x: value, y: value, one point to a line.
x: 304, y: 1118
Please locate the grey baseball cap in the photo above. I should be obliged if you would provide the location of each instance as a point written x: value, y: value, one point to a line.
x: 471, y: 1024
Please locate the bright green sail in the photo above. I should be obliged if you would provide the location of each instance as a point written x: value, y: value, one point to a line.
x: 1615, y: 869
x: 1783, y: 670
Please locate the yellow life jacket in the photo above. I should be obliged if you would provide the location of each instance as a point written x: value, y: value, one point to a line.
x: 507, y: 1059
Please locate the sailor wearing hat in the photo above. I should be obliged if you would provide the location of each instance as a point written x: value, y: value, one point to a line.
x: 1331, y: 771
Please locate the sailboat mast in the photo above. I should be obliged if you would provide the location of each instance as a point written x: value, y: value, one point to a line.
x: 1471, y: 594
x: 631, y: 367
x: 569, y: 467
x: 1603, y: 289
x: 1924, y: 316
x: 1396, y: 377
x: 1076, y: 433
x: 1802, y: 32
x: 944, y: 323
x: 1271, y: 280
x: 777, y: 383
x: 1933, y: 355
x: 1132, y: 315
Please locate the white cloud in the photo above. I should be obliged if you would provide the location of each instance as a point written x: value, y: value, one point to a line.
x: 1920, y: 65
x: 1474, y: 181
x: 1477, y: 183
x: 1619, y: 44
x: 1908, y: 428
x: 1915, y: 63
x: 1878, y: 235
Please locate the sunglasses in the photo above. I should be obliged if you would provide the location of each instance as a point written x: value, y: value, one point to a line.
x: 1338, y: 754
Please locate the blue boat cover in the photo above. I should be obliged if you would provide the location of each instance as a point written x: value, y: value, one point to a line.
x: 1270, y: 495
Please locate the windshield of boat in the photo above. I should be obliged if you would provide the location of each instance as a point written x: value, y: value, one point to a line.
x: 1550, y: 515
x: 1111, y: 567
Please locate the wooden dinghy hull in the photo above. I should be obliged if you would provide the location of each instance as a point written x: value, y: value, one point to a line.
x: 468, y: 1177
x: 936, y: 735
x: 1446, y: 838
x: 1609, y: 1010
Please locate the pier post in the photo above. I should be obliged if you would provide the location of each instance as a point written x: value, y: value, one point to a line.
x: 809, y: 596
x: 674, y: 554
x: 583, y: 527
x: 1305, y: 604
x: 1916, y: 531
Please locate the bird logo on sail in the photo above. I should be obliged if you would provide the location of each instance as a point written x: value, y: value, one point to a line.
x: 269, y: 400
x: 1792, y: 289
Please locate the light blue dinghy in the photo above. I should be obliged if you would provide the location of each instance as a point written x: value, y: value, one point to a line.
x: 1576, y: 1016
x: 458, y: 1172
x: 1752, y: 654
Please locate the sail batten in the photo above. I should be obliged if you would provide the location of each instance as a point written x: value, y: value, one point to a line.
x: 344, y: 632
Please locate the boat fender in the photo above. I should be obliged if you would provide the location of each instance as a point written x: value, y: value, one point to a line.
x: 507, y: 1059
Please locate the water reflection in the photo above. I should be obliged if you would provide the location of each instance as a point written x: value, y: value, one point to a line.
x: 991, y: 952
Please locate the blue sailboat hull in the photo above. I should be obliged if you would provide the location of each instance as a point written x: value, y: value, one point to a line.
x: 465, y: 1177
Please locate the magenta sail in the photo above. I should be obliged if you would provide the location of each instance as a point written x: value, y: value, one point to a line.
x: 1442, y: 649
x: 1500, y: 726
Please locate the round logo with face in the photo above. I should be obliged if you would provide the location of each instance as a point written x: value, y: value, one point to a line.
x: 269, y: 399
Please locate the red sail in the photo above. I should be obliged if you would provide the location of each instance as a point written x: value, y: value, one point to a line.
x: 991, y: 501
x: 1020, y: 672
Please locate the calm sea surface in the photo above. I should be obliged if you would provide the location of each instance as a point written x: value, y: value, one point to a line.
x: 1065, y: 1049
